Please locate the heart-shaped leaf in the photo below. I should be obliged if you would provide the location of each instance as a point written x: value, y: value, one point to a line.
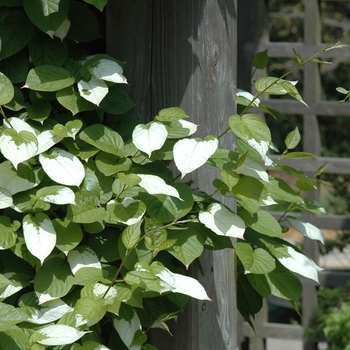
x: 190, y: 154
x: 93, y: 90
x: 150, y: 137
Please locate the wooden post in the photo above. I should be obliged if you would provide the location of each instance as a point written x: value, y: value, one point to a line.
x: 183, y: 53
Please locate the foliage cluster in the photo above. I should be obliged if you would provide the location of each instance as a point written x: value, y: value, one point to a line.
x: 331, y: 323
x: 96, y: 232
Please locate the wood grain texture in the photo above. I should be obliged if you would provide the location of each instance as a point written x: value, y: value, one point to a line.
x: 183, y: 53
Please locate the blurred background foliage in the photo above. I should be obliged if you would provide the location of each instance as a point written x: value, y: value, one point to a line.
x: 286, y: 21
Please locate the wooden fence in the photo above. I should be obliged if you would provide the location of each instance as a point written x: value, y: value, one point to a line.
x: 253, y: 28
x: 182, y: 53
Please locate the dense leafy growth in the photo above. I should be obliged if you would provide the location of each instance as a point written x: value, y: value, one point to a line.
x: 96, y: 232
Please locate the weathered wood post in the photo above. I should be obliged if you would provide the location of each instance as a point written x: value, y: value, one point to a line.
x: 183, y: 53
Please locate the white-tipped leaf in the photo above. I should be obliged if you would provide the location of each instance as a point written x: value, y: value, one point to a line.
x: 62, y: 167
x: 156, y: 185
x: 110, y: 71
x: 222, y: 221
x: 57, y: 195
x: 10, y: 180
x: 300, y: 264
x: 5, y: 198
x: 150, y: 137
x: 39, y: 235
x: 82, y: 257
x: 307, y: 229
x: 192, y: 128
x: 58, y: 334
x: 46, y: 140
x: 127, y: 329
x: 183, y: 284
x: 190, y: 154
x: 93, y: 90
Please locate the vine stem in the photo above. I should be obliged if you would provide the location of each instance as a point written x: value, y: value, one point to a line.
x: 129, y: 251
x: 4, y: 115
x: 257, y: 95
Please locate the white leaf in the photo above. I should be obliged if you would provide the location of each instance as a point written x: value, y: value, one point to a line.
x: 253, y: 169
x: 110, y: 71
x: 46, y: 140
x: 11, y: 181
x: 301, y: 264
x: 57, y: 195
x: 307, y: 229
x: 10, y: 289
x: 58, y: 334
x: 133, y: 220
x: 5, y: 198
x: 156, y: 185
x: 127, y: 329
x: 39, y: 235
x: 82, y: 257
x: 49, y: 312
x: 62, y: 167
x: 44, y: 297
x: 93, y: 90
x: 188, y: 125
x: 150, y: 137
x: 183, y: 284
x: 18, y: 146
x: 19, y: 125
x: 222, y: 221
x: 190, y: 154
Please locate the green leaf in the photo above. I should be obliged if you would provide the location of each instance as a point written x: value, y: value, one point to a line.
x: 292, y: 91
x: 256, y: 261
x: 251, y: 129
x: 280, y: 190
x: 189, y: 243
x: 103, y: 138
x: 131, y: 235
x: 109, y: 164
x: 47, y: 15
x: 15, y: 32
x: 69, y: 130
x: 17, y: 103
x: 260, y: 60
x: 262, y: 221
x: 293, y: 138
x: 99, y: 4
x: 10, y: 316
x: 87, y: 209
x: 299, y: 155
x: 149, y: 137
x: 299, y: 58
x: 155, y: 234
x: 84, y: 26
x: 39, y: 112
x: 71, y: 99
x: 8, y: 231
x: 6, y: 90
x: 190, y: 154
x: 116, y: 101
x: 44, y: 50
x: 222, y: 221
x: 68, y: 233
x: 270, y: 85
x: 167, y: 208
x: 48, y: 78
x: 230, y: 179
x: 171, y: 114
x: 53, y: 280
x: 14, y: 338
x: 129, y: 212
